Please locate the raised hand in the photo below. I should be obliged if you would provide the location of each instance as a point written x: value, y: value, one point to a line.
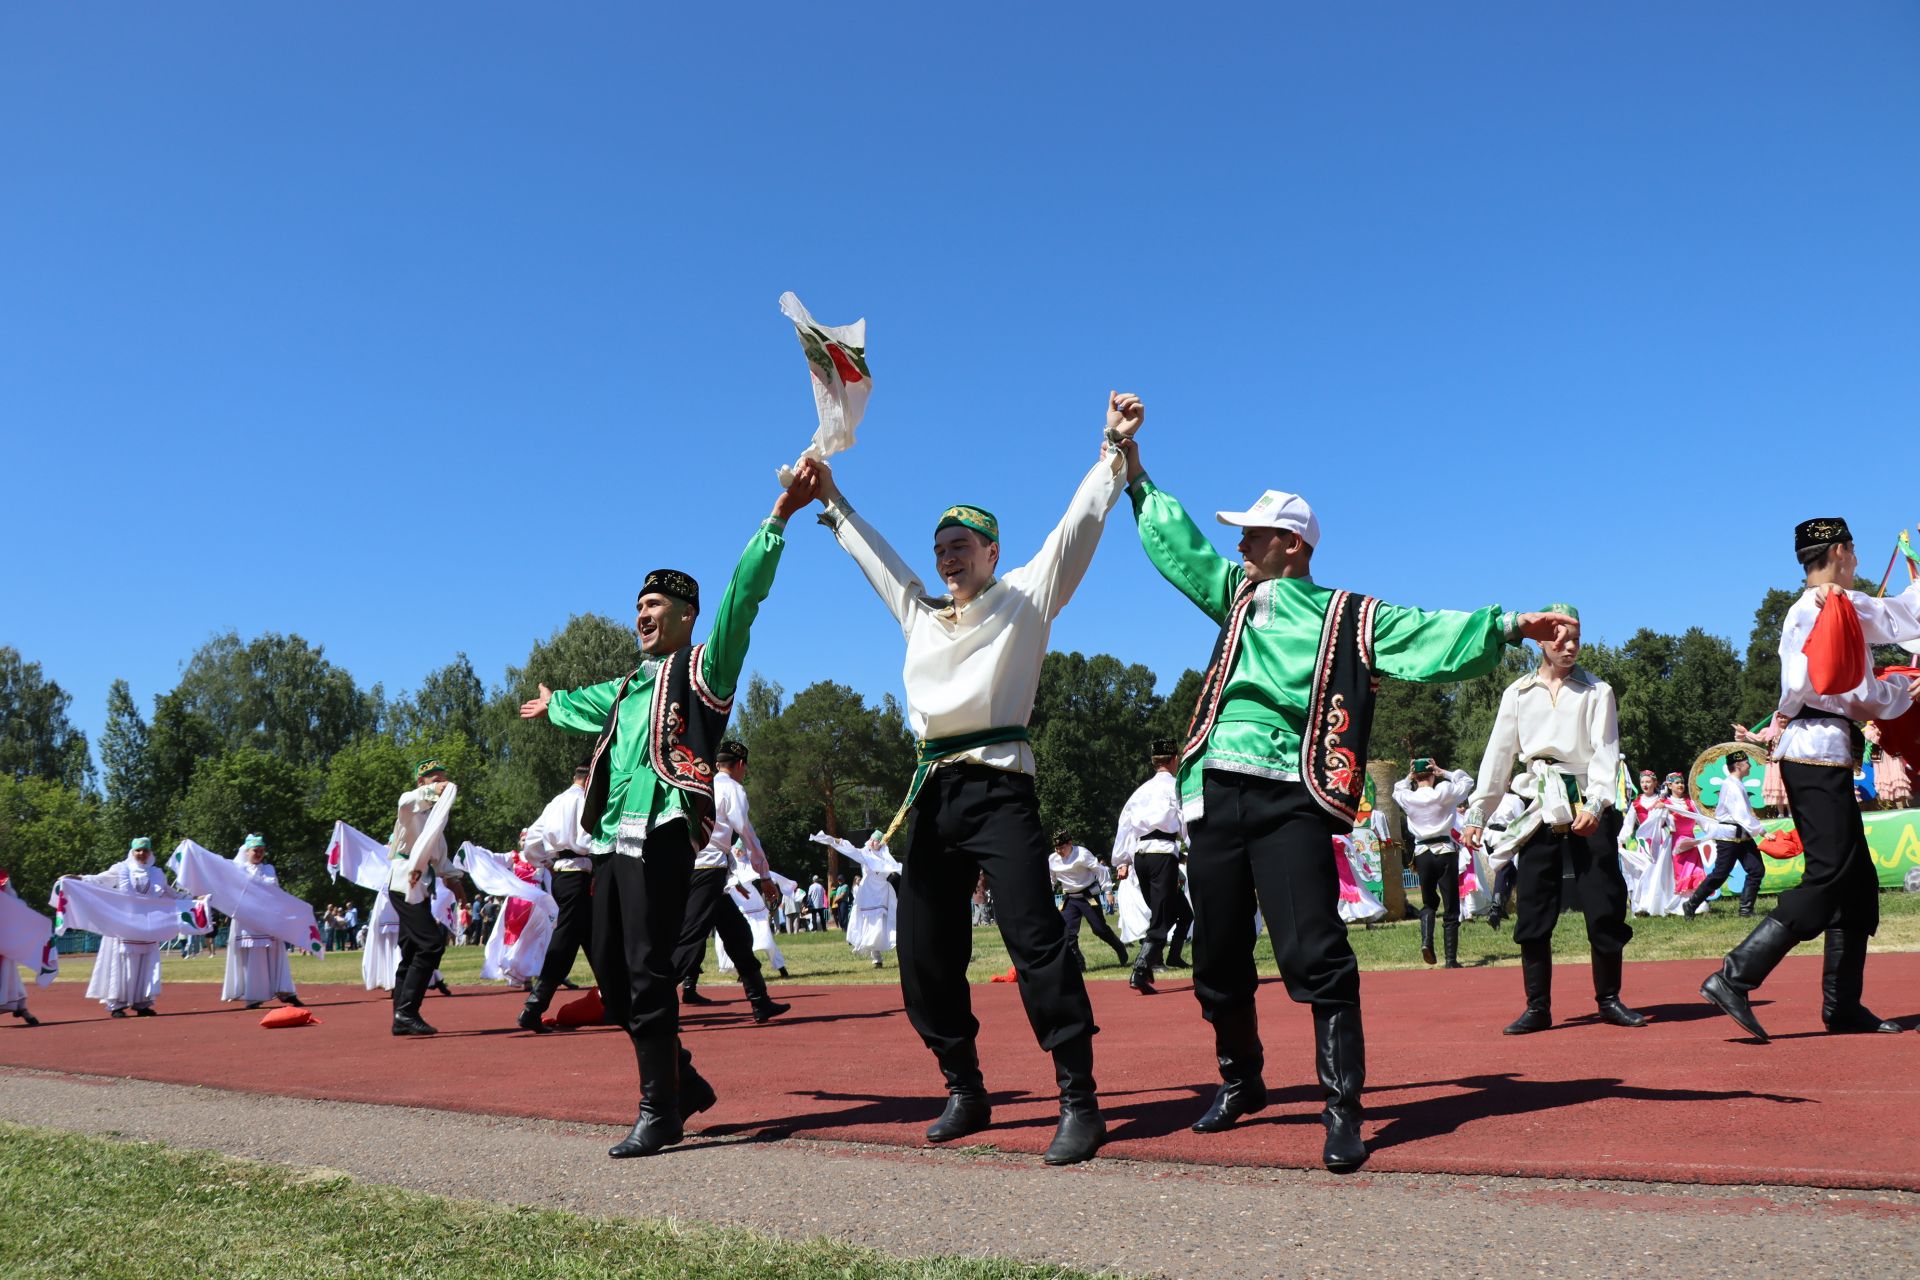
x: 533, y: 708
x: 1125, y: 413
x: 1542, y: 627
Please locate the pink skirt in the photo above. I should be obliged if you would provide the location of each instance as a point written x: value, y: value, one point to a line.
x: 1773, y: 792
x: 1892, y: 780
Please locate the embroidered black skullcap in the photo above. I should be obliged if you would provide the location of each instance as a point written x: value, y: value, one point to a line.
x: 731, y: 751
x: 1826, y: 531
x: 1063, y: 836
x: 671, y: 582
x: 1160, y: 747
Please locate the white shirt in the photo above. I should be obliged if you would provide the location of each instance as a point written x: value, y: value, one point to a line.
x: 556, y: 838
x: 730, y: 821
x: 413, y: 849
x: 1511, y: 807
x: 1736, y: 809
x: 1078, y: 872
x: 1578, y: 727
x: 1883, y: 620
x: 1154, y: 807
x: 1429, y: 811
x: 816, y: 895
x: 976, y: 666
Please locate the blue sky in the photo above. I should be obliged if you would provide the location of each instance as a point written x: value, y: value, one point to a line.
x: 414, y: 329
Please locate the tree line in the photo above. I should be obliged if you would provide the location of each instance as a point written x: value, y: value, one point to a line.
x: 266, y: 734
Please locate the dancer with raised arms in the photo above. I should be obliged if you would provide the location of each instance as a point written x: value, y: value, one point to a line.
x: 972, y: 670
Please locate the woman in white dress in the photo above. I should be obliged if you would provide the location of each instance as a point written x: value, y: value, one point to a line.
x: 759, y: 920
x: 13, y: 989
x: 257, y: 967
x: 1655, y: 893
x: 517, y: 944
x: 126, y: 973
x: 871, y: 925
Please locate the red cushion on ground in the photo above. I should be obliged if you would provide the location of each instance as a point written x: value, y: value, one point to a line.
x: 582, y: 1011
x: 1836, y: 649
x: 288, y: 1016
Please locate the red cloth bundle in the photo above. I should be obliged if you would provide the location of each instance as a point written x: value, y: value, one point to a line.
x: 583, y: 1011
x: 1011, y: 975
x: 288, y: 1016
x: 1836, y: 649
x: 1782, y: 844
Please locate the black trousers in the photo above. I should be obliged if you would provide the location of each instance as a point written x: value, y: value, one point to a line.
x: 713, y: 908
x: 639, y: 906
x: 1084, y: 906
x: 1840, y: 889
x: 1727, y: 855
x: 1439, y: 872
x: 973, y: 819
x: 422, y: 942
x: 1267, y: 840
x: 573, y: 890
x: 1545, y: 865
x: 1503, y: 885
x: 1159, y: 875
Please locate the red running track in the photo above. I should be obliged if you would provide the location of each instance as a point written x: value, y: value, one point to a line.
x: 1685, y: 1099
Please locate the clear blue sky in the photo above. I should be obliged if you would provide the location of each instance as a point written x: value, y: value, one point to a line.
x: 415, y: 328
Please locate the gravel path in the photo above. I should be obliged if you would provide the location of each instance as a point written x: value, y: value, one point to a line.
x: 1152, y: 1219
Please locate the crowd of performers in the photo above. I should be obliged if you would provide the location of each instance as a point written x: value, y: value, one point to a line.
x: 651, y: 850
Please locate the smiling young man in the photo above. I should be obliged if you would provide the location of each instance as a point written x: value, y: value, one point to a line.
x: 650, y: 804
x: 1813, y: 737
x: 1274, y: 767
x: 972, y: 670
x: 1560, y: 723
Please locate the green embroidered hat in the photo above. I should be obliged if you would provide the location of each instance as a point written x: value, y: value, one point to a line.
x: 1566, y: 609
x: 1422, y: 764
x: 978, y: 519
x: 138, y: 843
x: 426, y: 767
x: 253, y: 842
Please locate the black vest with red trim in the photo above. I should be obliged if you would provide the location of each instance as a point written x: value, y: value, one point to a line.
x: 684, y: 727
x: 1333, y: 740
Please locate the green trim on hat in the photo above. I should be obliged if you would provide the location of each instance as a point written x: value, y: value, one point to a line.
x: 1566, y: 609
x: 426, y: 767
x: 978, y: 519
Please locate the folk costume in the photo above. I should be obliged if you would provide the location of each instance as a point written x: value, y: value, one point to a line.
x: 759, y: 916
x: 1568, y: 743
x: 257, y: 965
x: 971, y: 673
x: 1839, y: 895
x: 650, y: 808
x: 19, y: 937
x: 1274, y: 766
x: 559, y: 841
x: 712, y: 907
x: 1077, y: 873
x: 516, y: 946
x: 873, y: 922
x: 417, y: 850
x: 1430, y: 811
x: 126, y: 972
x: 1662, y: 820
x: 1737, y: 844
x: 1149, y: 840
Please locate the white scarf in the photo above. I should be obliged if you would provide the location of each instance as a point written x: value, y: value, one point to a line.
x: 1544, y: 788
x: 256, y: 904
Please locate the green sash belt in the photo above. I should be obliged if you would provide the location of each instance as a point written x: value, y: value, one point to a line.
x: 934, y: 750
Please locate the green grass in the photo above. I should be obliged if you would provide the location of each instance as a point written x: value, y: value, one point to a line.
x: 825, y: 957
x: 73, y: 1206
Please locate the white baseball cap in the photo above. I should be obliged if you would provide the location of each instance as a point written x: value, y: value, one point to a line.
x: 1277, y: 509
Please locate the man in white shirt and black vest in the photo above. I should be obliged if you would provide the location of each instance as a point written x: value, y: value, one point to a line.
x: 1149, y: 841
x: 649, y: 806
x: 558, y: 842
x: 1428, y: 798
x: 711, y: 907
x: 1734, y: 814
x: 1275, y: 766
x: 1815, y: 739
x: 1562, y: 726
x: 972, y: 670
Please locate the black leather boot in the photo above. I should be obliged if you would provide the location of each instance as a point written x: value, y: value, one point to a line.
x: 407, y: 995
x: 1750, y: 893
x: 1426, y: 937
x: 1079, y: 958
x: 1606, y: 992
x: 1236, y: 1043
x: 1120, y: 953
x: 532, y: 1013
x: 1141, y: 979
x: 1745, y: 968
x: 1841, y: 984
x: 1081, y: 1129
x: 1692, y: 904
x: 1536, y: 971
x: 967, y: 1108
x: 1450, y: 942
x: 1341, y: 1054
x: 659, y: 1123
x: 696, y: 1093
x: 690, y: 993
x: 765, y: 1007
